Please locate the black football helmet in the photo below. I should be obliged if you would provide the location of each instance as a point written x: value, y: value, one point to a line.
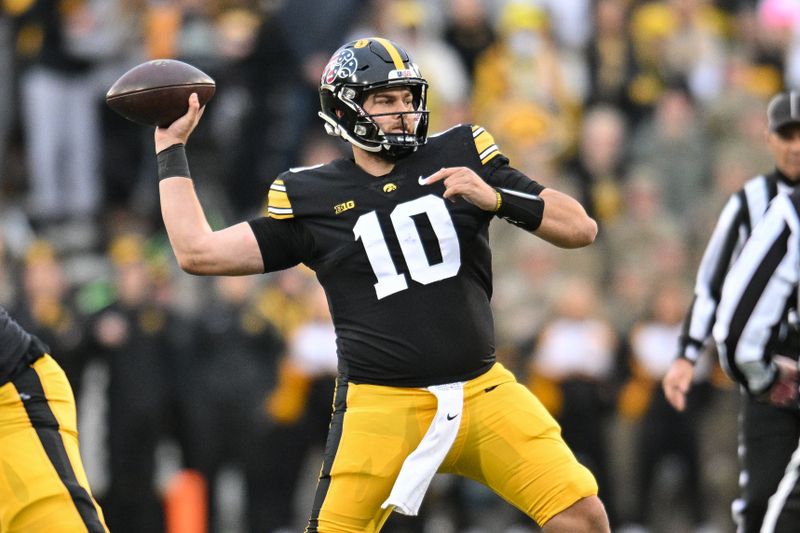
x: 362, y: 66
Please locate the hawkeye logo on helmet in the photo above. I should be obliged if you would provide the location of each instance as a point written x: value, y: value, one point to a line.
x: 341, y: 65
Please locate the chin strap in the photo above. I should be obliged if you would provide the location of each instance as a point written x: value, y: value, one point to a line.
x: 333, y: 128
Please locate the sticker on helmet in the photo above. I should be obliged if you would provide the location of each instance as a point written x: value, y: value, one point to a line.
x: 341, y: 65
x: 361, y: 43
x: 405, y: 73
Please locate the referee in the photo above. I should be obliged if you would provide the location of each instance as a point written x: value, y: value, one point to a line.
x: 761, y: 286
x: 43, y: 488
x: 768, y: 434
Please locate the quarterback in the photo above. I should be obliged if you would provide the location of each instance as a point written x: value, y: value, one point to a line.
x: 398, y: 237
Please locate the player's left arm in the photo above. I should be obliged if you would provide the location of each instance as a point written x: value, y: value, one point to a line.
x: 565, y: 222
x: 495, y: 186
x: 551, y: 215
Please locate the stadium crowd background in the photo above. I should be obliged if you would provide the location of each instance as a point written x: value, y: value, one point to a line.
x: 650, y: 112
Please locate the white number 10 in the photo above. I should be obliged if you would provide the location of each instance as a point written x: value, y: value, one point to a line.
x: 390, y: 281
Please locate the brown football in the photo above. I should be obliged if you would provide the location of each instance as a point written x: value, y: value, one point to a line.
x: 157, y: 92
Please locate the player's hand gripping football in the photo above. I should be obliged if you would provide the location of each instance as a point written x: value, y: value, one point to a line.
x: 179, y: 131
x: 785, y: 390
x: 464, y: 182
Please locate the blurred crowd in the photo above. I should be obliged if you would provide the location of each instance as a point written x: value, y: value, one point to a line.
x: 650, y: 112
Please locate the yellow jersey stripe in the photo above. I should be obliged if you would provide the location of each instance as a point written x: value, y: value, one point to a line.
x: 279, y: 200
x: 484, y: 144
x: 393, y: 53
x: 490, y: 154
x: 278, y: 203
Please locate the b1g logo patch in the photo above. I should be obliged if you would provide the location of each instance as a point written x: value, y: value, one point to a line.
x: 344, y: 206
x: 342, y: 65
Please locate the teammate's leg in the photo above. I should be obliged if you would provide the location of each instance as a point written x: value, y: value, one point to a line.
x: 43, y: 487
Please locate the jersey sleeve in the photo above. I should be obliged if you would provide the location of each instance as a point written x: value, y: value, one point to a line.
x: 282, y: 238
x: 495, y: 167
x: 278, y: 204
x: 283, y: 243
x: 755, y: 296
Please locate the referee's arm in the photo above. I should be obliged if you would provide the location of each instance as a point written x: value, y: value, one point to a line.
x: 727, y: 238
x: 755, y: 295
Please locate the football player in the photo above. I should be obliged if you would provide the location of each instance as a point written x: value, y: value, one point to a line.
x: 397, y: 236
x: 43, y: 487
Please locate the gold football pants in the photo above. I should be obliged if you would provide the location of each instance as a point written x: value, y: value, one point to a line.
x: 43, y: 487
x: 506, y: 440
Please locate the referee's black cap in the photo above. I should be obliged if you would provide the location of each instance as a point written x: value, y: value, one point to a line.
x: 784, y: 109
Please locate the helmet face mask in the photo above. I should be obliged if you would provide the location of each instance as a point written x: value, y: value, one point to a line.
x: 359, y: 68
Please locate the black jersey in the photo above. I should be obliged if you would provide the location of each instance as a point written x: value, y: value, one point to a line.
x: 14, y: 343
x: 407, y: 273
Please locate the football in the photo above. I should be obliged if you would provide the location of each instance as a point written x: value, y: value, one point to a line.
x: 157, y: 92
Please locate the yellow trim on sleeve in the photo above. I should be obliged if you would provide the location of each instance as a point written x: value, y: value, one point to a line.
x: 278, y: 204
x: 279, y: 199
x: 484, y: 144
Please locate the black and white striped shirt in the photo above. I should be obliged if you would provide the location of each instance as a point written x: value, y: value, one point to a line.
x: 758, y: 290
x: 741, y: 213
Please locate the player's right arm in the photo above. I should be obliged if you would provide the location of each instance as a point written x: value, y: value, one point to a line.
x: 199, y: 249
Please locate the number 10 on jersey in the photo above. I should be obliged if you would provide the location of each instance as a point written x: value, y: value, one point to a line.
x: 390, y: 281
